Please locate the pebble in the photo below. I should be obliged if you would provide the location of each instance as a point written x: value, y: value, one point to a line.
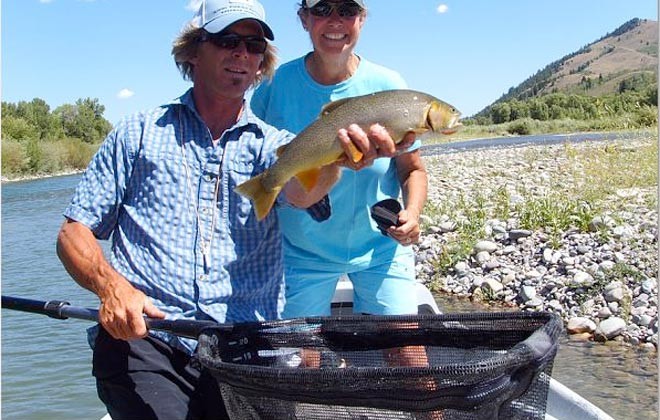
x: 600, y: 280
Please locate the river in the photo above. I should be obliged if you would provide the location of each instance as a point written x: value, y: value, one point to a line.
x: 46, y: 363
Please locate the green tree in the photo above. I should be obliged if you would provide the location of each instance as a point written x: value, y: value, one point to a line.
x: 84, y: 120
x: 519, y: 110
x: 538, y: 110
x: 501, y: 113
x: 19, y: 129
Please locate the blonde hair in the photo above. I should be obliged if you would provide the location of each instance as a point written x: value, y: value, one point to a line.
x: 185, y: 46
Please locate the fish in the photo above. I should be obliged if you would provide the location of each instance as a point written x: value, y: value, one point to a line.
x: 399, y: 111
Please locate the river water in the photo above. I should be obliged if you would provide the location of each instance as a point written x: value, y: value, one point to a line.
x: 46, y: 363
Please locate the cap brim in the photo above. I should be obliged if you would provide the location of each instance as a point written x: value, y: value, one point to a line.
x: 221, y: 23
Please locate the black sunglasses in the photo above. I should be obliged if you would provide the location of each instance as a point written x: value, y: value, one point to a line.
x: 230, y: 41
x: 345, y: 9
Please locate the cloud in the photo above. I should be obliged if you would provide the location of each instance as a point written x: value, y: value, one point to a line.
x: 45, y: 1
x: 125, y: 93
x: 443, y: 8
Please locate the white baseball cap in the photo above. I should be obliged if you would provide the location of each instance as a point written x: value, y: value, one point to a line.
x: 216, y: 15
x: 312, y: 3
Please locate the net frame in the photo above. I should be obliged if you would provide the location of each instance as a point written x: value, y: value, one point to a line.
x: 481, y: 365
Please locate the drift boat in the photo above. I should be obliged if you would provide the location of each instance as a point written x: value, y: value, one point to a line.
x: 562, y: 403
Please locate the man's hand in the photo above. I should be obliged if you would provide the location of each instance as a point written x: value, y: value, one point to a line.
x: 122, y: 311
x: 374, y: 144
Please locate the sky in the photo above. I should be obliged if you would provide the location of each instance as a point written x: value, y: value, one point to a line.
x: 465, y: 52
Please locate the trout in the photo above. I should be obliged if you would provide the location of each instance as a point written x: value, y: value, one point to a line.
x: 398, y: 111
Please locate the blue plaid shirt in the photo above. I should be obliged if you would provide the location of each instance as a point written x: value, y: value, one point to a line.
x: 136, y: 191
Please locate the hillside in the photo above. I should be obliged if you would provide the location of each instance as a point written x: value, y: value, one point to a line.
x: 627, y: 55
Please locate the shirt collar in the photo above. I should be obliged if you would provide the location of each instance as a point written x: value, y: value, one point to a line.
x: 247, y: 116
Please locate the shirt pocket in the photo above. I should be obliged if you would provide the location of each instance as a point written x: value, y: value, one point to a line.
x: 242, y: 218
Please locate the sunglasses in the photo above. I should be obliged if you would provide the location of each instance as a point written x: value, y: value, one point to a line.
x: 230, y: 41
x: 345, y: 9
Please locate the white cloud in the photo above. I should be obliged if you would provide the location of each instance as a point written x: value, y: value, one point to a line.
x: 125, y: 93
x: 443, y: 8
x: 45, y: 1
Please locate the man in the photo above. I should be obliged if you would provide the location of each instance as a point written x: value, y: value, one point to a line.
x: 184, y: 244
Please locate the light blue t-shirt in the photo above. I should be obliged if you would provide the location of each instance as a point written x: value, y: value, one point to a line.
x: 291, y: 101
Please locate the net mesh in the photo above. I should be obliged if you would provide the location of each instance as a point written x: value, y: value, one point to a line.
x: 453, y: 366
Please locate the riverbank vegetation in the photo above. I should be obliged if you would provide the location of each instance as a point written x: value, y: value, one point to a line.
x: 39, y: 142
x: 566, y: 113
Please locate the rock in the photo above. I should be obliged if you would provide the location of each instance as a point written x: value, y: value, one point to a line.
x: 461, y: 268
x: 604, y: 313
x: 487, y: 246
x: 492, y: 265
x: 649, y: 286
x: 446, y: 227
x: 516, y: 234
x: 482, y: 257
x: 579, y: 325
x: 614, y: 294
x: 610, y: 328
x: 527, y: 293
x: 581, y: 278
x: 581, y: 336
x: 509, y: 249
x: 492, y: 286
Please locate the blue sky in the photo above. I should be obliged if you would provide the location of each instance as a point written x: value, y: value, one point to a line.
x: 466, y: 52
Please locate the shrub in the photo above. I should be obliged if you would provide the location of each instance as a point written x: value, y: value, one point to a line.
x: 521, y: 127
x: 14, y: 157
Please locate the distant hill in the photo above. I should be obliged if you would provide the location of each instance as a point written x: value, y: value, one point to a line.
x: 629, y: 55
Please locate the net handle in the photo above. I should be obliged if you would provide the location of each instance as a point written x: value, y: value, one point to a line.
x: 60, y: 309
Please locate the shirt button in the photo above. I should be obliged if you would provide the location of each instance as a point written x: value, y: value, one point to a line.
x: 203, y: 277
x: 209, y: 177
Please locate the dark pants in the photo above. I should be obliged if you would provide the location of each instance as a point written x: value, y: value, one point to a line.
x: 147, y: 379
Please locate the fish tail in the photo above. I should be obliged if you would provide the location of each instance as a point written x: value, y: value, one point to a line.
x: 262, y: 200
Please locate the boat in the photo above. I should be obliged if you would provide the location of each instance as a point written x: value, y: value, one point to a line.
x: 562, y: 404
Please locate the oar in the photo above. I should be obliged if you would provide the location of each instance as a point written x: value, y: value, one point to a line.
x: 62, y: 310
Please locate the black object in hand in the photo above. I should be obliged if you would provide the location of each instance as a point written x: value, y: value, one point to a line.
x: 386, y: 214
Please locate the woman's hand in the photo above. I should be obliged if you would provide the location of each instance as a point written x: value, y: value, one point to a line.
x: 373, y: 144
x: 408, y: 232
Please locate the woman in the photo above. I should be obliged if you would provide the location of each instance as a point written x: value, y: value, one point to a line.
x: 348, y: 242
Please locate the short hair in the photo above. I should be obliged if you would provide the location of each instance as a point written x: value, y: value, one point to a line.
x: 185, y: 46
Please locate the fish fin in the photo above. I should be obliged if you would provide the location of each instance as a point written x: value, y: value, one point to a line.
x: 355, y: 154
x: 309, y: 178
x: 419, y: 130
x: 331, y: 106
x: 262, y: 200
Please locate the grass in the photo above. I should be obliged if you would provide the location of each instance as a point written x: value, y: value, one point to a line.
x: 585, y: 180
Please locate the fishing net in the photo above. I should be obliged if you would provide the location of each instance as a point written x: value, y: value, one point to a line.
x: 454, y: 366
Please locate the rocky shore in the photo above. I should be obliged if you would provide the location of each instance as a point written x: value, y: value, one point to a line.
x: 601, y: 280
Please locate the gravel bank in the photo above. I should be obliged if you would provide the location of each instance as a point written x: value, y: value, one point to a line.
x: 601, y: 280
